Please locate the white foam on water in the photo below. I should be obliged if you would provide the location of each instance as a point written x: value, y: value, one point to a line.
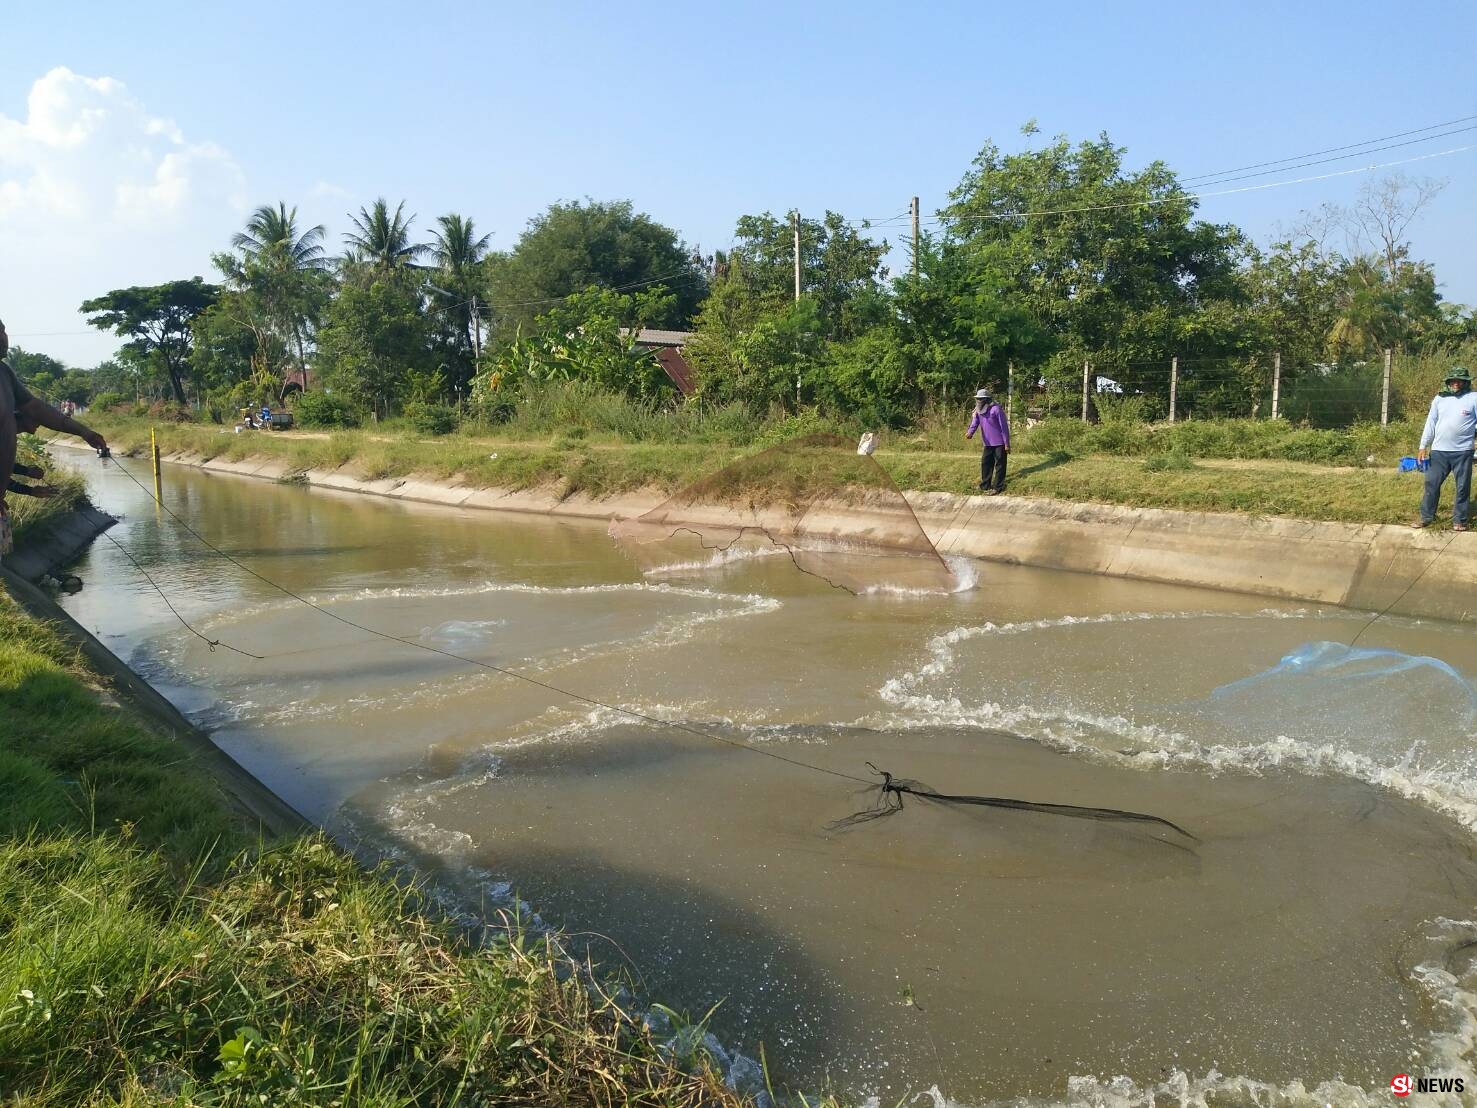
x: 1441, y: 787
x: 455, y: 635
x: 718, y: 559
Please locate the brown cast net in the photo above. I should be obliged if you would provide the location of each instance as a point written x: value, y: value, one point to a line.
x: 835, y: 513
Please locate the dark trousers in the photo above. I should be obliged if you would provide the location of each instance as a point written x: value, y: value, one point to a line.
x: 1457, y: 463
x: 992, y: 468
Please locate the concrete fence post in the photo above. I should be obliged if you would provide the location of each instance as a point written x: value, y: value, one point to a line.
x: 1385, y: 393
x: 1276, y: 381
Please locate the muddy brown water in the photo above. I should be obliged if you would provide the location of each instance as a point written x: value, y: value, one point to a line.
x: 1306, y: 944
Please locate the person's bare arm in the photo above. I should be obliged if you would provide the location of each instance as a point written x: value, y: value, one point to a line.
x: 43, y: 414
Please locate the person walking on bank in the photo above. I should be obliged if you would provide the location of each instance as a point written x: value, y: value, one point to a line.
x: 990, y: 420
x: 1446, y: 446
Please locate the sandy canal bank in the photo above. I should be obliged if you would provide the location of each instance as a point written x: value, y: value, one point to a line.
x: 1368, y: 566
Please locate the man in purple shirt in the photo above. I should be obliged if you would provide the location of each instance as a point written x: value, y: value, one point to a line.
x: 989, y: 419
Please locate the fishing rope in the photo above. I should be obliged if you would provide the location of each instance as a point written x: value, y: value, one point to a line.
x: 546, y: 686
x: 212, y: 643
x: 889, y: 789
x: 1451, y: 538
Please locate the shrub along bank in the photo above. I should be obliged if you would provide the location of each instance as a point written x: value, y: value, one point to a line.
x: 157, y: 950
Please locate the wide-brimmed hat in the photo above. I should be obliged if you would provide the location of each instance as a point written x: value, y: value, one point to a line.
x: 1458, y: 373
x: 982, y: 394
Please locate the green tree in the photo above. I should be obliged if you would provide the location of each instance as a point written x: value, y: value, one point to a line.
x: 957, y: 325
x: 236, y: 350
x: 1383, y: 309
x: 457, y: 291
x: 576, y: 245
x: 840, y: 269
x: 381, y: 238
x: 1292, y: 301
x: 42, y: 370
x: 591, y: 337
x: 376, y: 340
x: 285, y: 269
x: 1110, y: 263
x: 156, y: 320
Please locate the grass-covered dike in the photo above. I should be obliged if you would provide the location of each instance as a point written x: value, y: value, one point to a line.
x: 1256, y: 467
x: 158, y: 949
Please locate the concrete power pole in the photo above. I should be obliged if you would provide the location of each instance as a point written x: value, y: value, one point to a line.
x: 915, y: 236
x: 476, y: 337
x: 795, y: 222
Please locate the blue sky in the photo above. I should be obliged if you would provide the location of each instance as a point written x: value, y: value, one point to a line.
x: 134, y: 138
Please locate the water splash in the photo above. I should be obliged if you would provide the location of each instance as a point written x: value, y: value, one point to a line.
x: 1378, y: 702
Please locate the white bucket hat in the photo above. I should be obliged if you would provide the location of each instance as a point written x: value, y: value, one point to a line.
x: 982, y: 394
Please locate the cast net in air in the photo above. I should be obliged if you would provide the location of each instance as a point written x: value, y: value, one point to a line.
x: 834, y: 512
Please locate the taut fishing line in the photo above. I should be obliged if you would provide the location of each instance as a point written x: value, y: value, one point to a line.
x: 889, y: 792
x: 1404, y: 592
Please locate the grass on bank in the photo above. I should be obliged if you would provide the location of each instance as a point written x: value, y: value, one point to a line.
x: 30, y: 515
x: 155, y: 952
x: 1231, y: 466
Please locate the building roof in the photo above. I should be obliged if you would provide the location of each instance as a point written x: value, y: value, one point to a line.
x: 677, y: 369
x: 652, y: 336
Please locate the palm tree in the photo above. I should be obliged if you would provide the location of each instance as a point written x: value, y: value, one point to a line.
x: 383, y: 239
x: 285, y: 266
x: 273, y: 231
x: 457, y: 249
x: 458, y: 253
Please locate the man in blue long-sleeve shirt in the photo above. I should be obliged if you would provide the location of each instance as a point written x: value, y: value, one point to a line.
x: 1446, y: 445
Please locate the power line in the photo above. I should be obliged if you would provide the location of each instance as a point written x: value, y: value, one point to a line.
x: 1330, y: 150
x: 1345, y: 157
x: 1182, y: 196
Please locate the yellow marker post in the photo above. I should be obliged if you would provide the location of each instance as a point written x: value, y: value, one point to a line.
x: 158, y: 482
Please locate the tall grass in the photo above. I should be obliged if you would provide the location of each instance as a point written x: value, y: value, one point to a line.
x: 30, y: 515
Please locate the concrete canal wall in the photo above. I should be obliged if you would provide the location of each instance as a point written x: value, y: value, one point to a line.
x: 1369, y: 566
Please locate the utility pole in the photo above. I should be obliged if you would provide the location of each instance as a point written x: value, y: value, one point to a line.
x: 1385, y: 393
x: 915, y: 237
x: 1085, y: 367
x: 476, y: 337
x: 795, y: 221
x: 1276, y: 381
x: 1174, y: 384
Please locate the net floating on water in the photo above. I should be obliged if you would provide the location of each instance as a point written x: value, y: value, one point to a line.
x: 835, y: 512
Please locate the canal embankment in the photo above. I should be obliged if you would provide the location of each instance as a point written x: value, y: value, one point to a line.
x: 1369, y: 566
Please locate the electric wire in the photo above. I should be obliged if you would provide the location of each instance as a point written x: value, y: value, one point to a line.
x: 1180, y: 197
x: 1330, y: 150
x: 1224, y: 180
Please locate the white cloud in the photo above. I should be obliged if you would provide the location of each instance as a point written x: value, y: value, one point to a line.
x: 96, y: 192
